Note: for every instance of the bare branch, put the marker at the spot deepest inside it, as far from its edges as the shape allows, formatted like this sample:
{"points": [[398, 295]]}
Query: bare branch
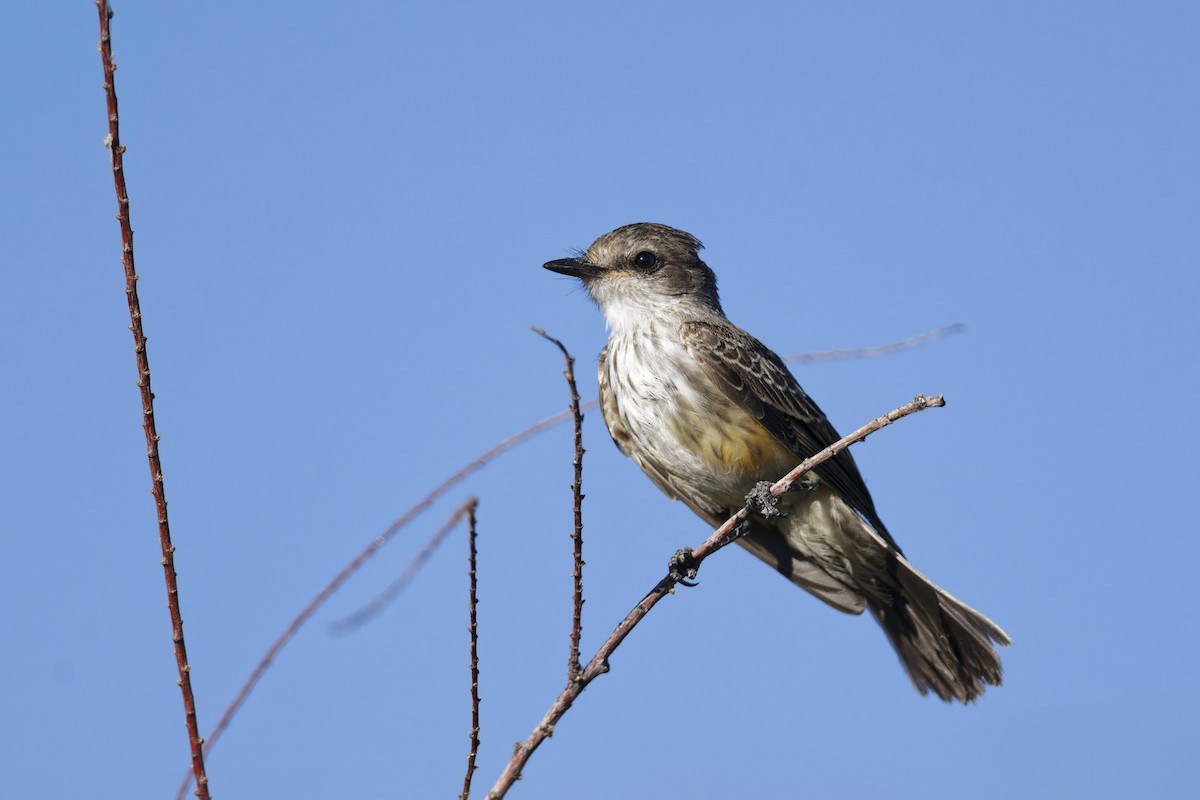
{"points": [[157, 487], [577, 502], [599, 663], [364, 614], [473, 603], [878, 350], [367, 552]]}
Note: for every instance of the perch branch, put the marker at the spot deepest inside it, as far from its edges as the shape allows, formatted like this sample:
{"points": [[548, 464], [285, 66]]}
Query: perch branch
{"points": [[599, 663]]}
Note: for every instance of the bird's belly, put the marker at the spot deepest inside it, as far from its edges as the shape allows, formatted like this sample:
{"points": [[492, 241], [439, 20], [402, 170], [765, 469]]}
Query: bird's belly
{"points": [[692, 432]]}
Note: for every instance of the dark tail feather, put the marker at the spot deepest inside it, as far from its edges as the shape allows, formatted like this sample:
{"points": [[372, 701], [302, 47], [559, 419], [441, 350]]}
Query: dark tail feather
{"points": [[946, 646]]}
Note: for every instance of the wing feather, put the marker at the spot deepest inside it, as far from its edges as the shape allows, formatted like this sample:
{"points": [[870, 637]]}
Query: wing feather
{"points": [[757, 380]]}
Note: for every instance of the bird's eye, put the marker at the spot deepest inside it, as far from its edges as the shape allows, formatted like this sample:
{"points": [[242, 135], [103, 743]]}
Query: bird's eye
{"points": [[645, 260]]}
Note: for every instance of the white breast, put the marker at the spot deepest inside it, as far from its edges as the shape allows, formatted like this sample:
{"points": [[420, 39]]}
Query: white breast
{"points": [[667, 404]]}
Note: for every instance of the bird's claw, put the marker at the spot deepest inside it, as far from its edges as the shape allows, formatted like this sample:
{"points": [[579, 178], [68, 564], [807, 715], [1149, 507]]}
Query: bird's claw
{"points": [[762, 502], [682, 567], [804, 485]]}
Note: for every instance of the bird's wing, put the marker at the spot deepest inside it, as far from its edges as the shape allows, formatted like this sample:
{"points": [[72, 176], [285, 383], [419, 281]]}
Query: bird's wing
{"points": [[758, 381], [764, 543]]}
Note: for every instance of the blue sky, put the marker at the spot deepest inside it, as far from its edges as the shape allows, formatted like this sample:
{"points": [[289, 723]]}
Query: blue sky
{"points": [[341, 213]]}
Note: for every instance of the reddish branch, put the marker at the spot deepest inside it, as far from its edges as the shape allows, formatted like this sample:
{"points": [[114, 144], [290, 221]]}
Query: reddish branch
{"points": [[473, 603], [721, 537], [117, 151], [577, 502]]}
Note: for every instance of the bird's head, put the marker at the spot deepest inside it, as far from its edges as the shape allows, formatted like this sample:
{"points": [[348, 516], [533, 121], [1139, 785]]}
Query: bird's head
{"points": [[643, 269]]}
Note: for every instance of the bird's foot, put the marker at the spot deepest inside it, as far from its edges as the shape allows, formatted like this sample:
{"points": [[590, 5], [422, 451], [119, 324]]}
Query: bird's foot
{"points": [[762, 502], [682, 567], [804, 485]]}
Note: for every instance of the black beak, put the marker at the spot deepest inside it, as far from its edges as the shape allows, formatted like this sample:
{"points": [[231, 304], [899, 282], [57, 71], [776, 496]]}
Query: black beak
{"points": [[575, 267]]}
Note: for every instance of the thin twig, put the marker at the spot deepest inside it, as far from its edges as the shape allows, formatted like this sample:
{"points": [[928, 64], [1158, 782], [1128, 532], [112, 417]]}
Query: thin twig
{"points": [[721, 537], [357, 562], [158, 489], [577, 502], [364, 614], [473, 603], [878, 350]]}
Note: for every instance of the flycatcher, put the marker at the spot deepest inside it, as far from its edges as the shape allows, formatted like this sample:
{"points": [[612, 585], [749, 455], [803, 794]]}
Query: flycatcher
{"points": [[707, 411]]}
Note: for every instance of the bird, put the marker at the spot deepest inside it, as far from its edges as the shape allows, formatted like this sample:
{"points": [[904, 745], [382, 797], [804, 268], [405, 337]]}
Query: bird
{"points": [[708, 412]]}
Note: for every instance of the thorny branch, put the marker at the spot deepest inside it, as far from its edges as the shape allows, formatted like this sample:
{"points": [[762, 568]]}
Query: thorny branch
{"points": [[473, 603], [577, 502], [117, 152]]}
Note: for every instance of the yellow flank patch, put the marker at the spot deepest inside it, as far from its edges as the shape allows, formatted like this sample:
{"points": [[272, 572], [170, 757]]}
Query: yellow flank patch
{"points": [[734, 445]]}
